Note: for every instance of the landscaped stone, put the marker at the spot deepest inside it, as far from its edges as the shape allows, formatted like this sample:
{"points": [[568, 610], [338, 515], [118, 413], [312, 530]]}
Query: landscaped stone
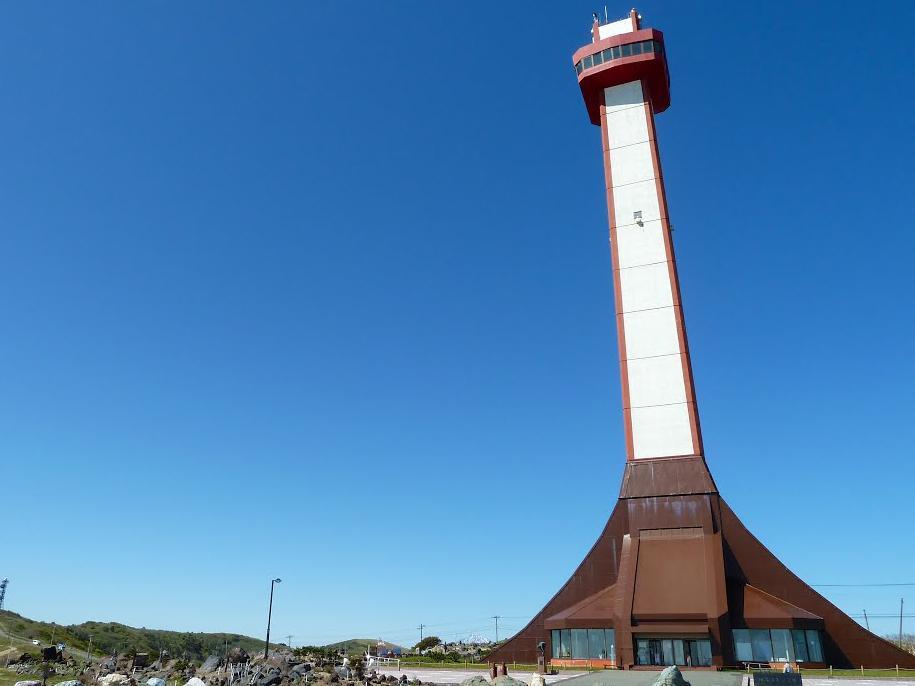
{"points": [[671, 676]]}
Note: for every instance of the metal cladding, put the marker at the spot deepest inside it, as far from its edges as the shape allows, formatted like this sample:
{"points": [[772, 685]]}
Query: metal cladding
{"points": [[674, 573]]}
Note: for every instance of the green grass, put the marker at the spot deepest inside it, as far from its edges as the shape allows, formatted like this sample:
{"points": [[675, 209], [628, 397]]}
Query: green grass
{"points": [[8, 677]]}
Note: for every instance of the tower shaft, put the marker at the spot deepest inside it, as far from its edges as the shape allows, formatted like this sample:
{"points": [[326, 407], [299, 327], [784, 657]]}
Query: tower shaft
{"points": [[659, 402]]}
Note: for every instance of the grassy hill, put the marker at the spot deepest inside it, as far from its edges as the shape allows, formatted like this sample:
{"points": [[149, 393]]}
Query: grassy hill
{"points": [[355, 646], [108, 637]]}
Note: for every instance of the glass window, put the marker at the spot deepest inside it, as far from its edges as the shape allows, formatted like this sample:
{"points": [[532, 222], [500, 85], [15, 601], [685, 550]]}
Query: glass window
{"points": [[597, 647], [615, 52], [781, 644], [762, 645], [648, 46], [705, 653], [679, 658], [636, 48], [610, 637], [658, 47], [579, 644], [654, 651], [566, 637], [743, 649], [667, 651], [578, 68], [554, 643], [606, 54], [587, 62], [627, 50], [598, 58], [642, 657], [800, 645], [814, 648]]}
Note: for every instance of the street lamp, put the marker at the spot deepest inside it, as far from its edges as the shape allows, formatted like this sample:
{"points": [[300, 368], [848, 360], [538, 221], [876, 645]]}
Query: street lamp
{"points": [[269, 615]]}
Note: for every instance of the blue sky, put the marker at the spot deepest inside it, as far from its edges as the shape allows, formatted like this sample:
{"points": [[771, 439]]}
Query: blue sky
{"points": [[322, 291]]}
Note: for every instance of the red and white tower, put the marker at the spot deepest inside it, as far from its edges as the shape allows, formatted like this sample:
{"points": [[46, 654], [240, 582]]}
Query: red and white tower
{"points": [[623, 78], [674, 577]]}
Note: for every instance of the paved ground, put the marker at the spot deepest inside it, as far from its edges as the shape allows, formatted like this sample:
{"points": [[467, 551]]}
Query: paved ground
{"points": [[630, 678], [456, 676], [608, 677]]}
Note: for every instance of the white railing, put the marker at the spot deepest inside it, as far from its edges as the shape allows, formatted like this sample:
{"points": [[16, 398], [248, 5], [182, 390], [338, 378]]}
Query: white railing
{"points": [[388, 662]]}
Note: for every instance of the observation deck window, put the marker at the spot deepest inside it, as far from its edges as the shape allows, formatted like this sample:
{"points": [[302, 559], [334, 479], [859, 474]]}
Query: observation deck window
{"points": [[617, 52]]}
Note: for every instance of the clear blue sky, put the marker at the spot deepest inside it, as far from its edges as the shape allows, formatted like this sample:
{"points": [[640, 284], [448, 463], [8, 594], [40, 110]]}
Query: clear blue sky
{"points": [[322, 291]]}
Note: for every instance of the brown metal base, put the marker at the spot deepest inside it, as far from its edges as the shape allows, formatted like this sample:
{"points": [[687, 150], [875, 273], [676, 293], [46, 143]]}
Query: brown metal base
{"points": [[674, 559]]}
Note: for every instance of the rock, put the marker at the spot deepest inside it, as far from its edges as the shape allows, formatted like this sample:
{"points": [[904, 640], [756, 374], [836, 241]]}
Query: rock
{"points": [[475, 680], [28, 683], [156, 681], [195, 681], [238, 655], [506, 680], [112, 679], [71, 682], [269, 680], [210, 664], [537, 679], [671, 676]]}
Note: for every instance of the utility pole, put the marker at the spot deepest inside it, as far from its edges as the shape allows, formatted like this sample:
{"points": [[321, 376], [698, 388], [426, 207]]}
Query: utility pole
{"points": [[273, 582], [867, 623], [289, 641], [89, 650], [497, 618], [901, 600], [3, 584], [420, 627]]}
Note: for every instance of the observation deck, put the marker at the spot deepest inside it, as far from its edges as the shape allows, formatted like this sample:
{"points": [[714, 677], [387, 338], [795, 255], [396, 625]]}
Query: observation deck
{"points": [[621, 57]]}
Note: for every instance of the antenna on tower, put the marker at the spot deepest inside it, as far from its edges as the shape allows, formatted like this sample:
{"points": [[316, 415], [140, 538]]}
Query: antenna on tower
{"points": [[3, 591], [606, 16]]}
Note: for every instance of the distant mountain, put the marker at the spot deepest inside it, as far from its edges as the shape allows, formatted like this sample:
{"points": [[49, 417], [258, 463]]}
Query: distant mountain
{"points": [[108, 637]]}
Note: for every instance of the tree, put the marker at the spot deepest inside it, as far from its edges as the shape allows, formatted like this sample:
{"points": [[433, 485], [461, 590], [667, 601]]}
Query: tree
{"points": [[426, 643], [907, 643]]}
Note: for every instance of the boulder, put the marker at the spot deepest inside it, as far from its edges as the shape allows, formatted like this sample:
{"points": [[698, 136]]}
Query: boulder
{"points": [[28, 683], [475, 680], [112, 679], [71, 682], [195, 681], [211, 663], [506, 680], [238, 655], [269, 680], [537, 679], [671, 676], [156, 681]]}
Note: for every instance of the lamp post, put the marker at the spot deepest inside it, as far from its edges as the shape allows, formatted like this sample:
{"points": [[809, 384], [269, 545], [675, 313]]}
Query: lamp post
{"points": [[269, 616]]}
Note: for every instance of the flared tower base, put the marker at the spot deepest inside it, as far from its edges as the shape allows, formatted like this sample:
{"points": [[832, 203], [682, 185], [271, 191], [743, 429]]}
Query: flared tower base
{"points": [[676, 578]]}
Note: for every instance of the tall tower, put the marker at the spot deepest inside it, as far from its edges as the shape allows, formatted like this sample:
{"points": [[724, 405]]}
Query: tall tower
{"points": [[623, 78], [674, 577]]}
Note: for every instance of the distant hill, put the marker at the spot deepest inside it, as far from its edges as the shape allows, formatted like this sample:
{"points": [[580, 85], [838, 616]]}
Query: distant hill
{"points": [[108, 637], [357, 646]]}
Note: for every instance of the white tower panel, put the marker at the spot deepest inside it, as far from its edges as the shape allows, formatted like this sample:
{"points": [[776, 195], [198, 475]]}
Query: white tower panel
{"points": [[659, 402]]}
